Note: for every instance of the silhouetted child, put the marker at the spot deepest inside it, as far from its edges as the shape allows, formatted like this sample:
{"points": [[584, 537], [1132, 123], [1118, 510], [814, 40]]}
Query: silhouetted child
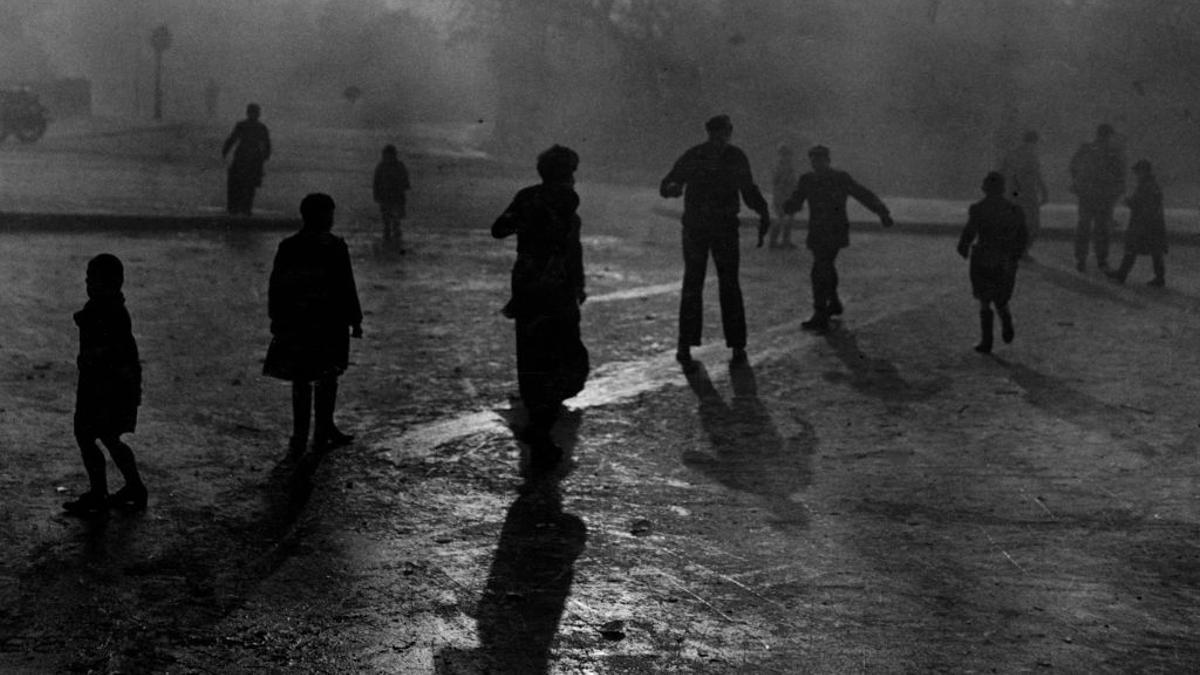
{"points": [[391, 182], [996, 227], [109, 389], [1147, 231]]}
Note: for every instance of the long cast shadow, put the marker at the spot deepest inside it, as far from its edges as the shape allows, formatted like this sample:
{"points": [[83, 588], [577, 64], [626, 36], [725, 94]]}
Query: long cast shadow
{"points": [[749, 454], [876, 377], [518, 614], [1057, 398]]}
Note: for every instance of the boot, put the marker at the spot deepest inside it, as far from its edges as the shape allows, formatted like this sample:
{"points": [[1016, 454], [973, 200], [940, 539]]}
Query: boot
{"points": [[132, 495], [88, 503], [819, 323], [985, 329], [835, 307], [1006, 325], [327, 436]]}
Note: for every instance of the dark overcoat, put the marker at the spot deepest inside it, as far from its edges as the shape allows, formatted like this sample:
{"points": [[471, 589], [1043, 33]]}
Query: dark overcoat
{"points": [[251, 144], [1147, 231], [547, 286], [312, 301], [390, 184], [110, 374], [996, 227]]}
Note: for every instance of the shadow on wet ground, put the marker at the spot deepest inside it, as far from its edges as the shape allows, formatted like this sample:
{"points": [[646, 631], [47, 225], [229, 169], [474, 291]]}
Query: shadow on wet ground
{"points": [[876, 377], [1057, 398], [518, 615], [749, 454], [1097, 288], [101, 588]]}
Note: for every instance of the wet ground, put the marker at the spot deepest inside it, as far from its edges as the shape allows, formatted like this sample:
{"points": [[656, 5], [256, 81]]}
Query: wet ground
{"points": [[881, 499]]}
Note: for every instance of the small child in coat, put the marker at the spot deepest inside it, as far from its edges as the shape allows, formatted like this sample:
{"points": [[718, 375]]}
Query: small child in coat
{"points": [[391, 182], [1147, 231], [109, 389], [994, 239]]}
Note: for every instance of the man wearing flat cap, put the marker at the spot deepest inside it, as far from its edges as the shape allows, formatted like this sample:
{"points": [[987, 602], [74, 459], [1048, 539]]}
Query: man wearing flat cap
{"points": [[713, 178], [826, 190]]}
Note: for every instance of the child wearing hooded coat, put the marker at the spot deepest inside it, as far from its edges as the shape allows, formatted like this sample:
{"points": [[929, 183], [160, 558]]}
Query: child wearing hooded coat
{"points": [[1147, 231]]}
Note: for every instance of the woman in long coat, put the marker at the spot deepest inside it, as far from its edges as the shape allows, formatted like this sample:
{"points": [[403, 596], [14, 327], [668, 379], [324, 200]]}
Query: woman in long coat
{"points": [[996, 227], [1147, 231], [313, 305], [547, 291]]}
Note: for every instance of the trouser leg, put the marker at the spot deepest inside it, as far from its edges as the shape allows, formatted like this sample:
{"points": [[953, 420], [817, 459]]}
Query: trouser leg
{"points": [[93, 462], [726, 258], [1160, 268], [122, 456], [301, 412], [785, 224], [824, 279], [1126, 265], [325, 400], [1103, 231], [691, 299], [986, 321], [1083, 231]]}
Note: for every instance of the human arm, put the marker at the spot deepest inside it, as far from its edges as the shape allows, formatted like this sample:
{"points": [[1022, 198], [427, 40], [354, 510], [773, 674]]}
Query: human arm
{"points": [[868, 199], [377, 184], [509, 222], [266, 144], [404, 184], [347, 291], [968, 234], [231, 141], [1021, 242], [672, 184]]}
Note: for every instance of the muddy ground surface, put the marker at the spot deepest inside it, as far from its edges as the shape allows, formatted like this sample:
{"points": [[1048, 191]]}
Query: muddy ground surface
{"points": [[881, 499]]}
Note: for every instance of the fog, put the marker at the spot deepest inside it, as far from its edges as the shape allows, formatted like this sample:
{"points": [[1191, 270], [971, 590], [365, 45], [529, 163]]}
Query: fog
{"points": [[918, 96]]}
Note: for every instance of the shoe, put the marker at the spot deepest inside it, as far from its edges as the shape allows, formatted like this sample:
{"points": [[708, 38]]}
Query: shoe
{"points": [[87, 503], [739, 357], [133, 496], [1116, 277], [1157, 283], [835, 308], [1080, 266], [332, 439], [819, 323]]}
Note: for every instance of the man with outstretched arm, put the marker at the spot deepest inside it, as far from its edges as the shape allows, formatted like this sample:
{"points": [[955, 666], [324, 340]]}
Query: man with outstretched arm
{"points": [[826, 190]]}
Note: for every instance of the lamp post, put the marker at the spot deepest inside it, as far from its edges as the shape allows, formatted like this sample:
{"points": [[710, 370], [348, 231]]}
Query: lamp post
{"points": [[160, 40]]}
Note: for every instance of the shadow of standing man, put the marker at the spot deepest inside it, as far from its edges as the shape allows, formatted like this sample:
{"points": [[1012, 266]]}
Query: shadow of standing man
{"points": [[749, 453]]}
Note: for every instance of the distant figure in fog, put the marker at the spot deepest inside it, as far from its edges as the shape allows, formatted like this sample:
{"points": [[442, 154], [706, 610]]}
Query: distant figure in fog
{"points": [[717, 177], [996, 227], [391, 182], [1022, 171], [313, 304], [251, 145], [783, 179], [1098, 180], [1147, 231], [109, 390], [826, 190], [547, 292]]}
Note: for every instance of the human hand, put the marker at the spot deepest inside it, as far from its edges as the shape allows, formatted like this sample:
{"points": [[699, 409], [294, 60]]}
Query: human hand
{"points": [[356, 331], [964, 250], [886, 220], [581, 296]]}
